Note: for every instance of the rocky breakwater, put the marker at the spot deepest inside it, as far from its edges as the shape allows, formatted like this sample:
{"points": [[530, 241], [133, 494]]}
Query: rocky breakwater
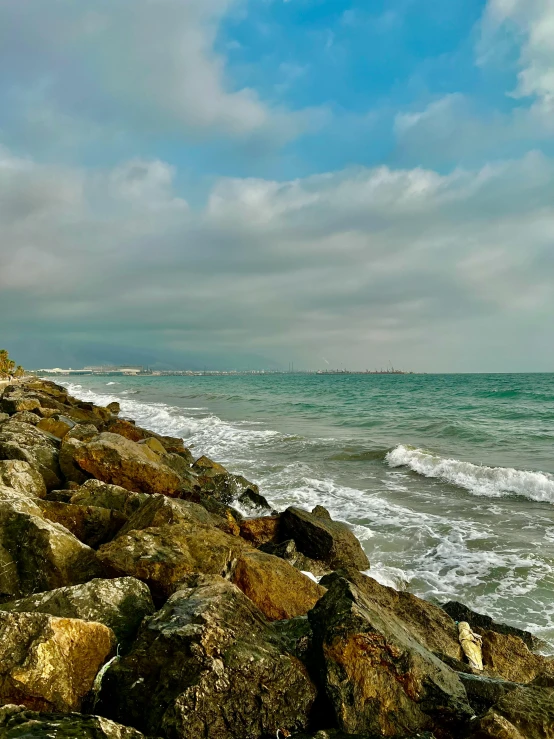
{"points": [[137, 601]]}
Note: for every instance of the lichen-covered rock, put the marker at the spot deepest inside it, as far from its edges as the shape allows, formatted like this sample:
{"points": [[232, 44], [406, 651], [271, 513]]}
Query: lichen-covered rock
{"points": [[153, 444], [279, 590], [225, 487], [213, 506], [103, 495], [118, 461], [120, 604], [159, 510], [36, 554], [377, 677], [16, 401], [57, 425], [321, 538], [208, 665], [68, 465], [263, 530], [428, 623], [47, 387], [163, 555], [26, 417], [22, 477], [90, 524], [524, 713], [25, 442], [206, 466], [49, 663], [18, 722]]}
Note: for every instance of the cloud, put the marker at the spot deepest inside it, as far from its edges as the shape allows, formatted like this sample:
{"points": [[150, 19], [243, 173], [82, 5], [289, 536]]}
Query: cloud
{"points": [[360, 266], [132, 64]]}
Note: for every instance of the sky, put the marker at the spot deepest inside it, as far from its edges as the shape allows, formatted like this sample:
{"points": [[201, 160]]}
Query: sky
{"points": [[250, 183]]}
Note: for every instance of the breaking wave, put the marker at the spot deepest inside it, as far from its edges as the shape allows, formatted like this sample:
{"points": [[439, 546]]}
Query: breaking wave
{"points": [[494, 482]]}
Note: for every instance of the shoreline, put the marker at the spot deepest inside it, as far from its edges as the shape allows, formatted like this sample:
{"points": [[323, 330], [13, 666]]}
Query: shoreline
{"points": [[135, 506]]}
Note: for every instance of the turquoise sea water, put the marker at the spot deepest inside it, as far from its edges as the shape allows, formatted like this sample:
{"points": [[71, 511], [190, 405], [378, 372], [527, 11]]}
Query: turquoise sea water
{"points": [[448, 480]]}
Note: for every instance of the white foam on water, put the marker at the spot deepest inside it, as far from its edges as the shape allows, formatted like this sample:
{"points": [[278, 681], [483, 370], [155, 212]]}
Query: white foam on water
{"points": [[494, 482]]}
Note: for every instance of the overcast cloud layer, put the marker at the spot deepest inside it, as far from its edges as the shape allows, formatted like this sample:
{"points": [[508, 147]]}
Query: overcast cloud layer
{"points": [[158, 203]]}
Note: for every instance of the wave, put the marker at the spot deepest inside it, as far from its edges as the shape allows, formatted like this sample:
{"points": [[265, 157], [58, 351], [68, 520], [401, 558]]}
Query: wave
{"points": [[494, 482]]}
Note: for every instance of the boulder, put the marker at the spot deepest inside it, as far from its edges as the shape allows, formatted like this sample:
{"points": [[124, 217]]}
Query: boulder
{"points": [[26, 417], [287, 550], [460, 612], [129, 430], [18, 722], [17, 401], [68, 465], [36, 554], [120, 604], [226, 488], [254, 501], [49, 663], [212, 505], [207, 467], [159, 510], [208, 665], [321, 538], [118, 461], [524, 713], [426, 622], [114, 408], [22, 477], [483, 692], [47, 387], [101, 494], [258, 531], [377, 677], [279, 590], [163, 555], [26, 443], [154, 445], [508, 657], [57, 425], [90, 524]]}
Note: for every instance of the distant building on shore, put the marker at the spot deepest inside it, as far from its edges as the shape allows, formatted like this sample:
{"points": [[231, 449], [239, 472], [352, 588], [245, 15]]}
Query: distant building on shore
{"points": [[100, 370]]}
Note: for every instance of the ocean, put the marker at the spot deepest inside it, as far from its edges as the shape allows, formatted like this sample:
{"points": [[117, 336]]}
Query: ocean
{"points": [[447, 480]]}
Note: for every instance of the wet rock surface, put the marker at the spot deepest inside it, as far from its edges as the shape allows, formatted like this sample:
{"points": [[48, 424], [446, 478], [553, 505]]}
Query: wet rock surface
{"points": [[208, 665], [320, 538]]}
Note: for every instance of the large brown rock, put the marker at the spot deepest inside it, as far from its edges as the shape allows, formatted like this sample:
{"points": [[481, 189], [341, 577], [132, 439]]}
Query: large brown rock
{"points": [[102, 495], [159, 510], [263, 530], [16, 401], [18, 722], [135, 433], [49, 663], [319, 537], [36, 554], [46, 387], [426, 622], [68, 465], [508, 657], [377, 677], [57, 425], [22, 477], [120, 604], [26, 443], [524, 713], [208, 665], [118, 461], [279, 590], [163, 555], [90, 524], [287, 550]]}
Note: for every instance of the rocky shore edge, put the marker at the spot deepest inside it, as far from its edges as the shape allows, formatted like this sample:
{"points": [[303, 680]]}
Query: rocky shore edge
{"points": [[136, 600]]}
